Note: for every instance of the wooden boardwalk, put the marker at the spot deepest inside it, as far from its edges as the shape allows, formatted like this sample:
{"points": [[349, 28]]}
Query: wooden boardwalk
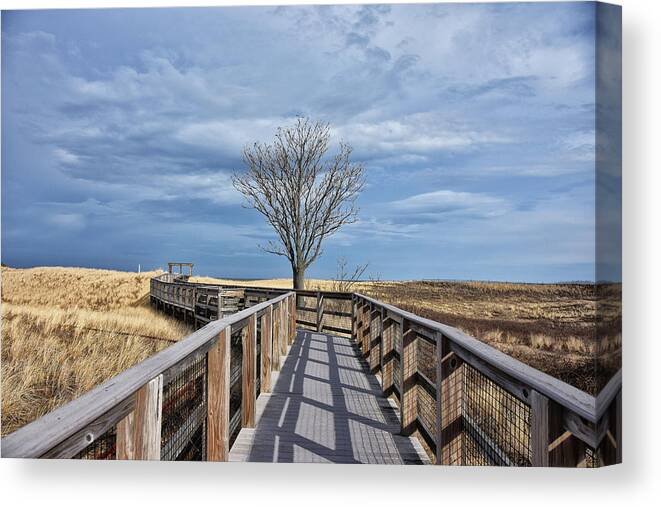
{"points": [[326, 407]]}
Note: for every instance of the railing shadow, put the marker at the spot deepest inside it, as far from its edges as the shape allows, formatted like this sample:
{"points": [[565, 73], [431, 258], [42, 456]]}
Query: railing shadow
{"points": [[327, 407]]}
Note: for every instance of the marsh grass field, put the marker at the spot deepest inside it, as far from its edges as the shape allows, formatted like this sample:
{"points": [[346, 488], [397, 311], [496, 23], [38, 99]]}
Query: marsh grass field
{"points": [[66, 330]]}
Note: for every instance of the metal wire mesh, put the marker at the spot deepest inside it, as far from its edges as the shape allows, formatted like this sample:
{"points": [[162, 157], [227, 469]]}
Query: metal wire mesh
{"points": [[306, 312], [396, 374], [388, 330], [426, 407], [496, 424], [102, 448], [337, 316], [451, 414], [591, 458], [183, 429], [236, 391], [426, 357]]}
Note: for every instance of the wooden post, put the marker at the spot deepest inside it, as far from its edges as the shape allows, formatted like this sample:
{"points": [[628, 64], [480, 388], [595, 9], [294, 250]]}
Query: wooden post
{"points": [[451, 387], [284, 320], [320, 312], [359, 323], [139, 433], [367, 326], [409, 404], [218, 408], [564, 449], [375, 340], [219, 304], [353, 317], [124, 438], [275, 327], [266, 349], [381, 321], [438, 437], [539, 429], [292, 303], [194, 308], [388, 378], [248, 373]]}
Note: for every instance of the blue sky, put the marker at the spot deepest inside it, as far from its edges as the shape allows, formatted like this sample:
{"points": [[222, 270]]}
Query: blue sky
{"points": [[475, 123]]}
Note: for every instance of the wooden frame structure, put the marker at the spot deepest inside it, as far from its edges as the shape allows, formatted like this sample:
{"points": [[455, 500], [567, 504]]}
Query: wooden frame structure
{"points": [[467, 402]]}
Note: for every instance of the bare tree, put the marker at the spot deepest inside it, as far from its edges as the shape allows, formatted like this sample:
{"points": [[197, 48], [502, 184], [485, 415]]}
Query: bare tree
{"points": [[305, 194]]}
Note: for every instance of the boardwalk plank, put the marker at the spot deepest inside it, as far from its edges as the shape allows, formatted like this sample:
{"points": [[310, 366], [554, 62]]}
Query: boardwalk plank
{"points": [[326, 407]]}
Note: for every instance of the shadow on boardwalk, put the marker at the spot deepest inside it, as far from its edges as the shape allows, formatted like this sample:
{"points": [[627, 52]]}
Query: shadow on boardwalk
{"points": [[327, 408]]}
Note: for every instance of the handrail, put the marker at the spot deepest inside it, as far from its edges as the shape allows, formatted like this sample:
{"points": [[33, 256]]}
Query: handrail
{"points": [[501, 405], [38, 437], [578, 401]]}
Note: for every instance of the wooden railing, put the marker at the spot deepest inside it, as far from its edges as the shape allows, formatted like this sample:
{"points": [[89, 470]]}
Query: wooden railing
{"points": [[186, 402], [201, 303], [473, 405], [467, 402]]}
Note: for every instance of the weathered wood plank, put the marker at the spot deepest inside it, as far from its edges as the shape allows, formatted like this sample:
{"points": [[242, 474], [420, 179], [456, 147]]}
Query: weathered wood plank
{"points": [[438, 429], [314, 421], [320, 311], [146, 434], [218, 409], [387, 376], [248, 372], [408, 364], [275, 331], [266, 351], [89, 434], [124, 438], [539, 429]]}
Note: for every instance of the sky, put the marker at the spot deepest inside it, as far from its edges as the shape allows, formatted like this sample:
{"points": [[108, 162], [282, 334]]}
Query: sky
{"points": [[475, 123]]}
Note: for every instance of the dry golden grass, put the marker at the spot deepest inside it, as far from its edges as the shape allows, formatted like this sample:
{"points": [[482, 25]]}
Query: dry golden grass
{"points": [[66, 330], [551, 327]]}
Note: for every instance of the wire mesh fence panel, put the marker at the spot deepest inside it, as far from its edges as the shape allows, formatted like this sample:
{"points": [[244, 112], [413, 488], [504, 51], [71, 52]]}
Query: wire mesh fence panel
{"points": [[337, 315], [388, 331], [426, 407], [236, 381], [396, 374], [185, 414], [591, 458], [306, 312], [196, 448], [397, 340], [426, 357], [496, 424], [103, 447], [451, 415]]}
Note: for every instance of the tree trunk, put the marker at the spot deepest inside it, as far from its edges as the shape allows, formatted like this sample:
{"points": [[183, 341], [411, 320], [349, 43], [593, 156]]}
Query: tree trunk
{"points": [[298, 277]]}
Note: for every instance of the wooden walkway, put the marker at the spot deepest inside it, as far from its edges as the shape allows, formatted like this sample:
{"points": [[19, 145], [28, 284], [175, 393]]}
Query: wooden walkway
{"points": [[326, 407]]}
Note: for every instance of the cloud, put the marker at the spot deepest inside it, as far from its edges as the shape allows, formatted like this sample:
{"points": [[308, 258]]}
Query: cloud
{"points": [[469, 119], [441, 204], [68, 221], [65, 156], [413, 135]]}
